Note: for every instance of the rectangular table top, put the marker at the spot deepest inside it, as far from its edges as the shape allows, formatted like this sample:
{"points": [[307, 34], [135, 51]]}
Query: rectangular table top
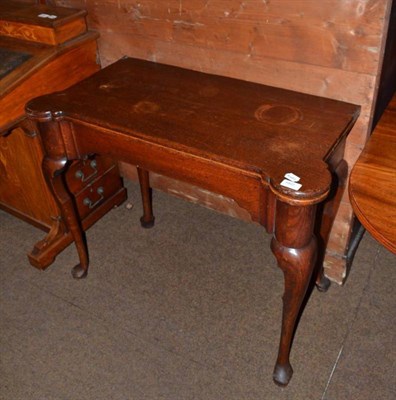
{"points": [[258, 128]]}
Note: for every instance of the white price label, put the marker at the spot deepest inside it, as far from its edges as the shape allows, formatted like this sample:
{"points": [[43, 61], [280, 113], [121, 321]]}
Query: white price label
{"points": [[50, 16], [292, 177], [291, 185]]}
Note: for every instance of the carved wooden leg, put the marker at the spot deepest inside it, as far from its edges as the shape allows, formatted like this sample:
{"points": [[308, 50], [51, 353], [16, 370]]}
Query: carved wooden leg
{"points": [[147, 220], [294, 247], [53, 170]]}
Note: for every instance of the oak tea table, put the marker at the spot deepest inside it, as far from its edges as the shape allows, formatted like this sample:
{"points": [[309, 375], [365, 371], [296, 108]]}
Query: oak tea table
{"points": [[271, 150]]}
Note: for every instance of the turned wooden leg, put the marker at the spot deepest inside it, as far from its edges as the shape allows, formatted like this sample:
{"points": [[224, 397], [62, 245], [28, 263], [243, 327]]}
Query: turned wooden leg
{"points": [[53, 171], [147, 220], [294, 247]]}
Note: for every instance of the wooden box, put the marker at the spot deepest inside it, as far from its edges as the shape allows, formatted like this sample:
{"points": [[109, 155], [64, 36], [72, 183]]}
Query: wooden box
{"points": [[41, 24]]}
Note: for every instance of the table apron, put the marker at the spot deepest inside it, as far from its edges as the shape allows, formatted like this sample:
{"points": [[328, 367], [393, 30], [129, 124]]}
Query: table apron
{"points": [[247, 188]]}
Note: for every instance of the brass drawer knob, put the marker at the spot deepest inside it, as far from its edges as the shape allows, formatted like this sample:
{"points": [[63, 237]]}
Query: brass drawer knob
{"points": [[91, 204], [80, 174]]}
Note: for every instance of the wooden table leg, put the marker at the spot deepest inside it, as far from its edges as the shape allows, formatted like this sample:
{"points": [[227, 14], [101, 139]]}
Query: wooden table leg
{"points": [[55, 163], [53, 171], [294, 246], [147, 220]]}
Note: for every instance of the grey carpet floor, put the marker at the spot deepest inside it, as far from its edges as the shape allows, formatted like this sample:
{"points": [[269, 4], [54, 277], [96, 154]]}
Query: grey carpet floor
{"points": [[190, 309]]}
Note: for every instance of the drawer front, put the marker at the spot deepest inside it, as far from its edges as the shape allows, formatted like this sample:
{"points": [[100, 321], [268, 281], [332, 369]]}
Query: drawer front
{"points": [[97, 192], [82, 173]]}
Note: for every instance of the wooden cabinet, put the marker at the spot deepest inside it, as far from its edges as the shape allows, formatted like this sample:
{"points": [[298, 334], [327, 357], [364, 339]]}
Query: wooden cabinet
{"points": [[42, 50]]}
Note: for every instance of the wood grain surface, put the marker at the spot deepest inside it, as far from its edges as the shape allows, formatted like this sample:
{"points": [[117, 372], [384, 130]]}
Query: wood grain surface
{"points": [[48, 65], [183, 109], [372, 186]]}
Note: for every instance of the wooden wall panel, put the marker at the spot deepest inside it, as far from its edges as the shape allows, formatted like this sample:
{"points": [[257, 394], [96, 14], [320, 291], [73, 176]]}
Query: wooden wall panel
{"points": [[333, 33], [330, 48]]}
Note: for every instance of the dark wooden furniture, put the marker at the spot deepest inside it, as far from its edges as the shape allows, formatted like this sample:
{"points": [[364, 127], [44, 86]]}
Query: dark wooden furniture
{"points": [[372, 185], [234, 138], [334, 49], [41, 55]]}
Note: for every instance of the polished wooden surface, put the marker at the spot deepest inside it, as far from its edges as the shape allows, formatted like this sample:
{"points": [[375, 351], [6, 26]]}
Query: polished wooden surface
{"points": [[43, 68], [235, 138], [195, 112], [372, 186]]}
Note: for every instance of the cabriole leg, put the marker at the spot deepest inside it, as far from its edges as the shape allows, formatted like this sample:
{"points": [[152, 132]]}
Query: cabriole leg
{"points": [[53, 170], [295, 248], [147, 220]]}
